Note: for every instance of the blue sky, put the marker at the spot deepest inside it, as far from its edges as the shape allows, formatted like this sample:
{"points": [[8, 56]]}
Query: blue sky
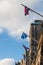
{"points": [[11, 47], [12, 23]]}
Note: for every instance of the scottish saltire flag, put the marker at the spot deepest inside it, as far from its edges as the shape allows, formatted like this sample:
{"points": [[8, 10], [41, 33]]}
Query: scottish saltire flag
{"points": [[24, 35], [25, 47]]}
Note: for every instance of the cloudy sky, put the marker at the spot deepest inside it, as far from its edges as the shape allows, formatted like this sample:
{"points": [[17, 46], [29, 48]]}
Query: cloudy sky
{"points": [[12, 23]]}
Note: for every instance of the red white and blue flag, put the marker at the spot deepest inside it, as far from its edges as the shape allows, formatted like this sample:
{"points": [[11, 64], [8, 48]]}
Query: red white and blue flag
{"points": [[26, 11]]}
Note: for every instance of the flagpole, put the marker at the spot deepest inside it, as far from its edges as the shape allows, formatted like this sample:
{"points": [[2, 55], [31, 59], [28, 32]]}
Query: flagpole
{"points": [[33, 11], [36, 13], [33, 39]]}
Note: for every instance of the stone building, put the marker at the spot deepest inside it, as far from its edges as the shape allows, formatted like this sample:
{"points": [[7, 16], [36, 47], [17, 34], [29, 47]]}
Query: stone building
{"points": [[34, 56], [22, 62], [39, 57], [36, 31]]}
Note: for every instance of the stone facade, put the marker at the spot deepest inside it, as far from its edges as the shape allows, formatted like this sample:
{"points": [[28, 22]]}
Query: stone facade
{"points": [[35, 55], [39, 58], [36, 32], [22, 62]]}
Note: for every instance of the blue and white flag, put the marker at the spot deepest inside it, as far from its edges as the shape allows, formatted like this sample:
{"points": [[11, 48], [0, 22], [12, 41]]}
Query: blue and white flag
{"points": [[24, 35], [25, 47]]}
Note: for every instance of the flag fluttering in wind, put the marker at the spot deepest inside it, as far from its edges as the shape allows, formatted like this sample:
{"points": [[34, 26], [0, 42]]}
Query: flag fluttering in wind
{"points": [[25, 47], [26, 10], [24, 35]]}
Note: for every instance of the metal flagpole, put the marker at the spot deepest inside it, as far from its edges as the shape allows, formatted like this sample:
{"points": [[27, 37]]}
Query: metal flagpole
{"points": [[33, 11], [36, 13], [33, 39]]}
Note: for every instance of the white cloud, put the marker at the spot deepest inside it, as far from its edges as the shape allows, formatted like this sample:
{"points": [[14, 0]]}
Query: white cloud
{"points": [[12, 16], [1, 30], [7, 61]]}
